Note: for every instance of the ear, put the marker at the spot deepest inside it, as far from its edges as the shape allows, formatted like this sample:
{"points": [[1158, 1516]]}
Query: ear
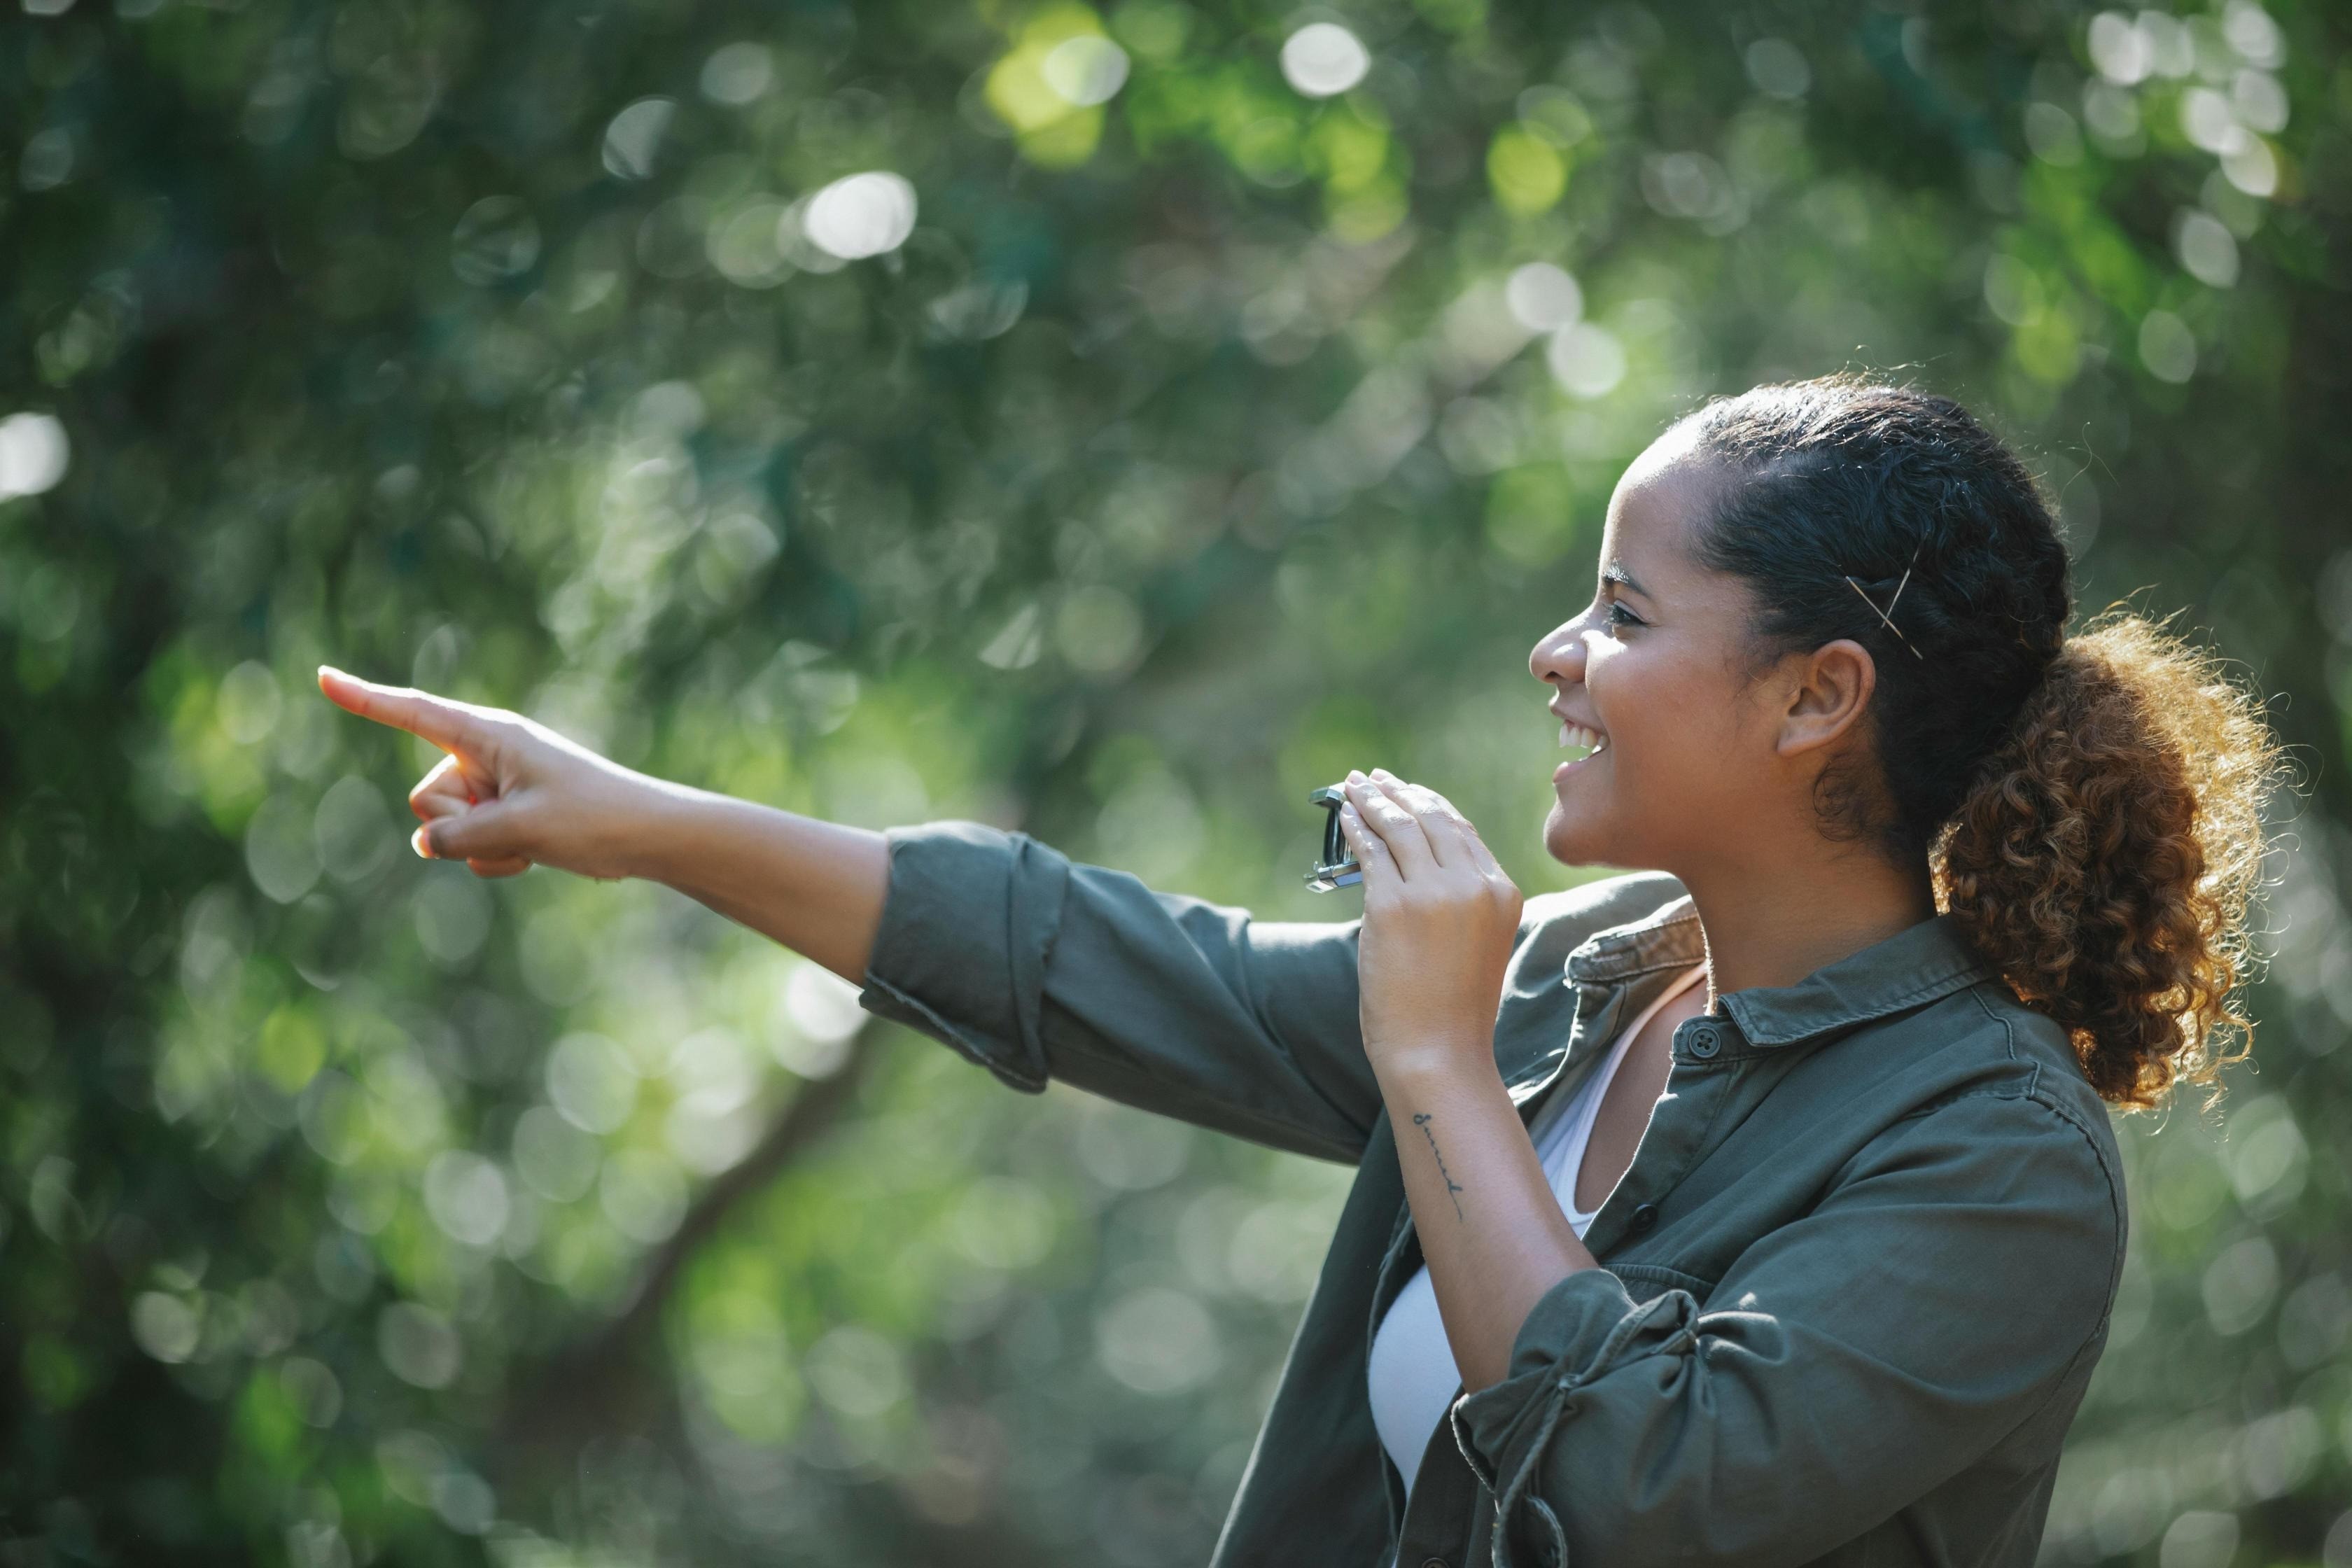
{"points": [[1831, 693]]}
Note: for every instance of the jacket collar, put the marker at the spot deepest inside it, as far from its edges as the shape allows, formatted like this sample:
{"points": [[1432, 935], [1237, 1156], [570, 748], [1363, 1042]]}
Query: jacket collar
{"points": [[1614, 973], [1669, 935], [1915, 966]]}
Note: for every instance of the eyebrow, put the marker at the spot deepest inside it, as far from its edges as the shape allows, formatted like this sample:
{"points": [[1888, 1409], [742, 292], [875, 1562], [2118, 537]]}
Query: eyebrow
{"points": [[1612, 572]]}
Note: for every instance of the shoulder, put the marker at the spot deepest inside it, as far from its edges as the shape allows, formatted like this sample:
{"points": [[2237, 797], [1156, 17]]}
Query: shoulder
{"points": [[2030, 1060], [1975, 1040], [2000, 1094], [1975, 1083]]}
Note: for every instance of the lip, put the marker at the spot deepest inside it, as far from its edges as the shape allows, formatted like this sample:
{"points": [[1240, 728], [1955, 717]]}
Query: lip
{"points": [[1565, 716], [1573, 763]]}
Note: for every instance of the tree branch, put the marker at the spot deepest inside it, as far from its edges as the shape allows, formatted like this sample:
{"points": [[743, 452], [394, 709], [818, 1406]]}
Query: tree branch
{"points": [[600, 1379]]}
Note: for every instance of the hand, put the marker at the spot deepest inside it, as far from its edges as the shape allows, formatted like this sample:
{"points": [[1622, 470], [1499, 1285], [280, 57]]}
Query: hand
{"points": [[1441, 918], [511, 793]]}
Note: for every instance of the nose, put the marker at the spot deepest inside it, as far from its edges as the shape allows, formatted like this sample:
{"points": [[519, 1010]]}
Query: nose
{"points": [[1559, 654]]}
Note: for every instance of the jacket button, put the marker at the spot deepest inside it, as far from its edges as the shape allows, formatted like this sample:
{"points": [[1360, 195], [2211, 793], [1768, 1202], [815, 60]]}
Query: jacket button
{"points": [[1436, 1563], [1704, 1040], [1645, 1216]]}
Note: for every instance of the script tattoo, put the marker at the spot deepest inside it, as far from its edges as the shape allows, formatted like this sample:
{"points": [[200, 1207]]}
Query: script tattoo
{"points": [[1453, 1187]]}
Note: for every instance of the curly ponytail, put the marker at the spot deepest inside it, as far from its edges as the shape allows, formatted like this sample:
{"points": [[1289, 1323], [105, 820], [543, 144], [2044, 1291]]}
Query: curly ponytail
{"points": [[2088, 807], [2105, 859]]}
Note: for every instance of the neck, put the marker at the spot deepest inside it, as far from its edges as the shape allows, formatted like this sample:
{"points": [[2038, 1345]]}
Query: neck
{"points": [[1773, 925]]}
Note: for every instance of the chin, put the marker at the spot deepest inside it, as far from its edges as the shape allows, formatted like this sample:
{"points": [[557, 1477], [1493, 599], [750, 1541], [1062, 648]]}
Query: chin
{"points": [[1580, 835], [1574, 838]]}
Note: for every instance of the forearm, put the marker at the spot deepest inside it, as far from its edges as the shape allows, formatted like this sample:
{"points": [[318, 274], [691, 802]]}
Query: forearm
{"points": [[1490, 1227], [816, 887]]}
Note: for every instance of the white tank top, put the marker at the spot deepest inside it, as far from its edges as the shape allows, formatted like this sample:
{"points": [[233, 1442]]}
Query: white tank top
{"points": [[1411, 1374]]}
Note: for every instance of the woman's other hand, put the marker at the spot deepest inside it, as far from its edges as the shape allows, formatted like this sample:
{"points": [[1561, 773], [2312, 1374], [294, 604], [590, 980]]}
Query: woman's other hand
{"points": [[511, 793], [1441, 918]]}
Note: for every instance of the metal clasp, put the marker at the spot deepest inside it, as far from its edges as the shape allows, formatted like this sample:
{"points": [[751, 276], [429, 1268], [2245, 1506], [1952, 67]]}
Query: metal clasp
{"points": [[1338, 867]]}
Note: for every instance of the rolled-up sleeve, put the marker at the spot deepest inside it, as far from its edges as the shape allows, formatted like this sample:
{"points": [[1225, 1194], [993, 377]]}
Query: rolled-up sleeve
{"points": [[1039, 968], [1953, 1282]]}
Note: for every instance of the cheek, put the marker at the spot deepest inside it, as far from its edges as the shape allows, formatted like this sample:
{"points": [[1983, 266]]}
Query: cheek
{"points": [[1669, 724]]}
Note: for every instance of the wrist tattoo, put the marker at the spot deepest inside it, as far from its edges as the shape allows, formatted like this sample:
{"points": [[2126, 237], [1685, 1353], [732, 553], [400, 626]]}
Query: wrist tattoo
{"points": [[1453, 1189]]}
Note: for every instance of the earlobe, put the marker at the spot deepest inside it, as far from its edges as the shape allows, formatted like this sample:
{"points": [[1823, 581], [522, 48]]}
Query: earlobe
{"points": [[1833, 692]]}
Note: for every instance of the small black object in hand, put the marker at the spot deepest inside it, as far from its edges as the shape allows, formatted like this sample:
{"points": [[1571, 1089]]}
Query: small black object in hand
{"points": [[1338, 867]]}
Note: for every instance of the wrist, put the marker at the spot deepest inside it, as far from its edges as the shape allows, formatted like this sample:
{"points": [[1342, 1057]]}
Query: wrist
{"points": [[669, 834], [1450, 1055]]}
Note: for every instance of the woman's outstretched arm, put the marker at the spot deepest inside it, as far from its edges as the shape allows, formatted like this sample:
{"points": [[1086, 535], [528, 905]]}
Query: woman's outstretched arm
{"points": [[512, 793], [989, 940]]}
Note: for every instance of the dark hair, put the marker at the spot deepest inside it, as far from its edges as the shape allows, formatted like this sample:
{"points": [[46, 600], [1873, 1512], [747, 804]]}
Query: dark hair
{"points": [[2090, 805]]}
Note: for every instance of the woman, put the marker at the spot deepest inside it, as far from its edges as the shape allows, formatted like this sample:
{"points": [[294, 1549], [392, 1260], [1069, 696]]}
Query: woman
{"points": [[1845, 1156]]}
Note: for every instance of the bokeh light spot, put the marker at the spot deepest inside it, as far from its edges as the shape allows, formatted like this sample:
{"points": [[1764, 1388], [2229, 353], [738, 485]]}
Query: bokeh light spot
{"points": [[34, 454], [1323, 58], [635, 137], [2166, 347], [737, 74], [863, 214], [1085, 70], [1587, 360], [418, 1346], [495, 239], [1778, 68], [1543, 296]]}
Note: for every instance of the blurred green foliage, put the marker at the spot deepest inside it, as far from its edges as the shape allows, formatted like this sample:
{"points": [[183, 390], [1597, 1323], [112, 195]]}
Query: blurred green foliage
{"points": [[1190, 402]]}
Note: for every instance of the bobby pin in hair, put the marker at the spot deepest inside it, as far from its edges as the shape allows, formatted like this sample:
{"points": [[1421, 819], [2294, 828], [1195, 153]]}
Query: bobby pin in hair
{"points": [[1887, 614]]}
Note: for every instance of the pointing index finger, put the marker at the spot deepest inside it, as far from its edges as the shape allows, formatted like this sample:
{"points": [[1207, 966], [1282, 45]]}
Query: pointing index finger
{"points": [[452, 726]]}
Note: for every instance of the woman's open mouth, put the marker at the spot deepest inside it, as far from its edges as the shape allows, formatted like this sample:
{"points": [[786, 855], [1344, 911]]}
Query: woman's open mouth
{"points": [[1584, 745]]}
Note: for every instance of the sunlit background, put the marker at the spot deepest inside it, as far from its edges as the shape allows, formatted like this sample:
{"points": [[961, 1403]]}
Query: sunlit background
{"points": [[1109, 423]]}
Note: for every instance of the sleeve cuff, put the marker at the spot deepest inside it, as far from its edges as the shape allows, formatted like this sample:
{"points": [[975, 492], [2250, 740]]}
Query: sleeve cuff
{"points": [[1582, 1328], [969, 918]]}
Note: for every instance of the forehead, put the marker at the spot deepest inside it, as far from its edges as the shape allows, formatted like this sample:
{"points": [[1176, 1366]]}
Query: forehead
{"points": [[1658, 499]]}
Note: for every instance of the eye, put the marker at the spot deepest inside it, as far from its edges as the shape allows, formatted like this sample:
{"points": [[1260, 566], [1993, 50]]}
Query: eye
{"points": [[1619, 615]]}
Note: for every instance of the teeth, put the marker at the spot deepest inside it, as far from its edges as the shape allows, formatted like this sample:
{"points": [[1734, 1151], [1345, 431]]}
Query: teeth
{"points": [[1590, 741]]}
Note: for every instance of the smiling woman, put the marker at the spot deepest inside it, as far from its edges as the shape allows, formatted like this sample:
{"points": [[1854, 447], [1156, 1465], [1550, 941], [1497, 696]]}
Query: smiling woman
{"points": [[1759, 1206]]}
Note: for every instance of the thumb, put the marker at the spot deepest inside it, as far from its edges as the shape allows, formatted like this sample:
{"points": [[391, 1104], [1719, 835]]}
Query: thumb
{"points": [[491, 831]]}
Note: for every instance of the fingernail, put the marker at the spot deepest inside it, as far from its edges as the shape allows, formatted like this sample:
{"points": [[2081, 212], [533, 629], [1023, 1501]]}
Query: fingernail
{"points": [[1355, 775]]}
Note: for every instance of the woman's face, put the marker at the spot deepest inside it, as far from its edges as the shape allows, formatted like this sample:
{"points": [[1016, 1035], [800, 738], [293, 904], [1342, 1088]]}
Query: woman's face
{"points": [[1656, 669]]}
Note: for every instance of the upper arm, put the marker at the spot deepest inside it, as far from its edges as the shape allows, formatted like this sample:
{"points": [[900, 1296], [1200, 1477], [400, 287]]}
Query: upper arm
{"points": [[1200, 1011], [1039, 967]]}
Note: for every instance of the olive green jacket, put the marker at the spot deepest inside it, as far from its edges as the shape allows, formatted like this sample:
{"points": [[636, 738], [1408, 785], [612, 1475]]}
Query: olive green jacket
{"points": [[1852, 1286]]}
